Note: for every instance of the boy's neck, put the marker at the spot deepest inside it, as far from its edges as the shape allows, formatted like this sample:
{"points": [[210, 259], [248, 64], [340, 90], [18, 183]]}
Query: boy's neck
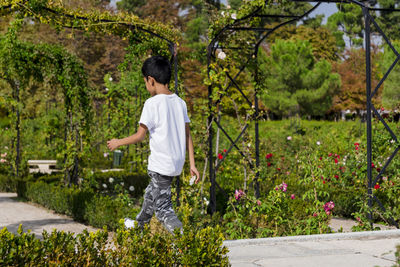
{"points": [[162, 89]]}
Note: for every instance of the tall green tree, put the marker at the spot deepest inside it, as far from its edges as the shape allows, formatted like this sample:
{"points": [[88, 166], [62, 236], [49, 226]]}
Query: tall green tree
{"points": [[349, 21], [294, 82], [391, 90], [389, 21]]}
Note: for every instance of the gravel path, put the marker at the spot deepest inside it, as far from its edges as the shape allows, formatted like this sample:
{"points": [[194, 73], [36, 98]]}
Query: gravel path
{"points": [[13, 213]]}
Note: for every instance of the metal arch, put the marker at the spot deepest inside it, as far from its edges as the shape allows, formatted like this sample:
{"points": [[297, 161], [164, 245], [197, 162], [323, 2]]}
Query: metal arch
{"points": [[368, 20]]}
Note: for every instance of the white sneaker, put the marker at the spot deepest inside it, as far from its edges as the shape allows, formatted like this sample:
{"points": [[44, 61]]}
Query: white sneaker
{"points": [[129, 223]]}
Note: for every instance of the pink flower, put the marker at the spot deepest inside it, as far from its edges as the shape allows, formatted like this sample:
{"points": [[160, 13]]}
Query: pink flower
{"points": [[2, 160], [328, 207], [292, 196], [238, 194], [105, 154], [282, 186], [258, 202], [315, 214], [330, 155]]}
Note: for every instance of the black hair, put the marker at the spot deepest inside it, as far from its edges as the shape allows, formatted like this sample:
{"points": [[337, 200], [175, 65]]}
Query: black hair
{"points": [[157, 67]]}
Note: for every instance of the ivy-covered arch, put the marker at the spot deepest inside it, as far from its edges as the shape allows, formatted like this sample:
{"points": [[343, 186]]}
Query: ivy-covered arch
{"points": [[20, 62], [159, 38]]}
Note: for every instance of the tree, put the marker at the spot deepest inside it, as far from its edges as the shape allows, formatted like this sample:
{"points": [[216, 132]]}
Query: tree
{"points": [[321, 39], [389, 21], [391, 92], [294, 82], [348, 20], [352, 72]]}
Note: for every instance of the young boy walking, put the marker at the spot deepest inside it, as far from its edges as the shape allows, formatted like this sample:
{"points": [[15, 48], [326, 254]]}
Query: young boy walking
{"points": [[165, 117]]}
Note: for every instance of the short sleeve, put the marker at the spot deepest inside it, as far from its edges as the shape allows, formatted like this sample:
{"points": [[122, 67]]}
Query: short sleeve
{"points": [[147, 117], [186, 117]]}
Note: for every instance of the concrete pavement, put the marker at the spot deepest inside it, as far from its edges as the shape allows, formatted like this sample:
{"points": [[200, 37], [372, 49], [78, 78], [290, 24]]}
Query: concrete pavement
{"points": [[360, 249]]}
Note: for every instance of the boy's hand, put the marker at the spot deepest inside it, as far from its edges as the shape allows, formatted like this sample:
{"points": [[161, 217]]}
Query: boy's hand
{"points": [[113, 144], [194, 171]]}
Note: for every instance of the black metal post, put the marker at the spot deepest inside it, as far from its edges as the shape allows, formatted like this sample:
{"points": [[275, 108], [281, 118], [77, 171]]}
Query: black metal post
{"points": [[369, 114], [213, 198], [257, 141]]}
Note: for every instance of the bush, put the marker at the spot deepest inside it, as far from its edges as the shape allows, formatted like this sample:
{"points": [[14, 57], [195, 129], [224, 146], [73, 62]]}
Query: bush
{"points": [[129, 248], [7, 183], [83, 205], [113, 183]]}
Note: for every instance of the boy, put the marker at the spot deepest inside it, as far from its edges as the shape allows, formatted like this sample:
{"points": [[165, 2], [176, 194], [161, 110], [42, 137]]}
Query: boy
{"points": [[165, 116]]}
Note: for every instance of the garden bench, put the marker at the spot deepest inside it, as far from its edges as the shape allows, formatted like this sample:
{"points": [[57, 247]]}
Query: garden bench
{"points": [[42, 166]]}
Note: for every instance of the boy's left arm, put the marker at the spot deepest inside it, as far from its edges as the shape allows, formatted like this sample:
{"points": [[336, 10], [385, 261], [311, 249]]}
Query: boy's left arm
{"points": [[189, 145]]}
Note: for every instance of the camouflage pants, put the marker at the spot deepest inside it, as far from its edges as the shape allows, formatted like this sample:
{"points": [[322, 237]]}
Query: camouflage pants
{"points": [[157, 198]]}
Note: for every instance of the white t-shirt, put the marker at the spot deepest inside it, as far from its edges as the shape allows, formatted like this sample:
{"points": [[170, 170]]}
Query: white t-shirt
{"points": [[165, 117]]}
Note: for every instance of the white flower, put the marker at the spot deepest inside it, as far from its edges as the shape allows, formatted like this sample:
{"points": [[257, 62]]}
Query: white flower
{"points": [[105, 154], [206, 201], [384, 178], [122, 183], [91, 172], [131, 188], [221, 55], [104, 185], [289, 138], [111, 180], [2, 160], [106, 89], [233, 16], [392, 141], [228, 6], [110, 79], [223, 13], [191, 182], [318, 143], [6, 147]]}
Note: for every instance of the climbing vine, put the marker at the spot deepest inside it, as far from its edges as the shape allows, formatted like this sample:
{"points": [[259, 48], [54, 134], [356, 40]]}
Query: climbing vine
{"points": [[20, 62]]}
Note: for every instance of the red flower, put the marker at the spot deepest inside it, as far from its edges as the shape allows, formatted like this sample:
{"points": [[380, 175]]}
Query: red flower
{"points": [[336, 161], [356, 144], [377, 186], [220, 156], [382, 109], [268, 156], [336, 176], [372, 165], [330, 155], [278, 169], [320, 158], [225, 150], [323, 182], [378, 169], [269, 164]]}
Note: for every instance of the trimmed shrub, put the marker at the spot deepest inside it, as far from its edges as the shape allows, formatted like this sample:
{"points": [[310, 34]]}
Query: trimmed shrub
{"points": [[83, 205], [7, 183], [129, 248]]}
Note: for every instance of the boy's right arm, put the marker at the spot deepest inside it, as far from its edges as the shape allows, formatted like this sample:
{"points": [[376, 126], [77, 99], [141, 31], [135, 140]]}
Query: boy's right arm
{"points": [[133, 139]]}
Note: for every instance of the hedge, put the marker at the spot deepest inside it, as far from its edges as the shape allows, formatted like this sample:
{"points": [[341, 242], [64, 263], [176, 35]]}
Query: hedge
{"points": [[82, 204], [128, 248]]}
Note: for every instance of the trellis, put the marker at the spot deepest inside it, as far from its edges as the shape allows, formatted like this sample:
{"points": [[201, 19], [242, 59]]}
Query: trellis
{"points": [[253, 21], [123, 25]]}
